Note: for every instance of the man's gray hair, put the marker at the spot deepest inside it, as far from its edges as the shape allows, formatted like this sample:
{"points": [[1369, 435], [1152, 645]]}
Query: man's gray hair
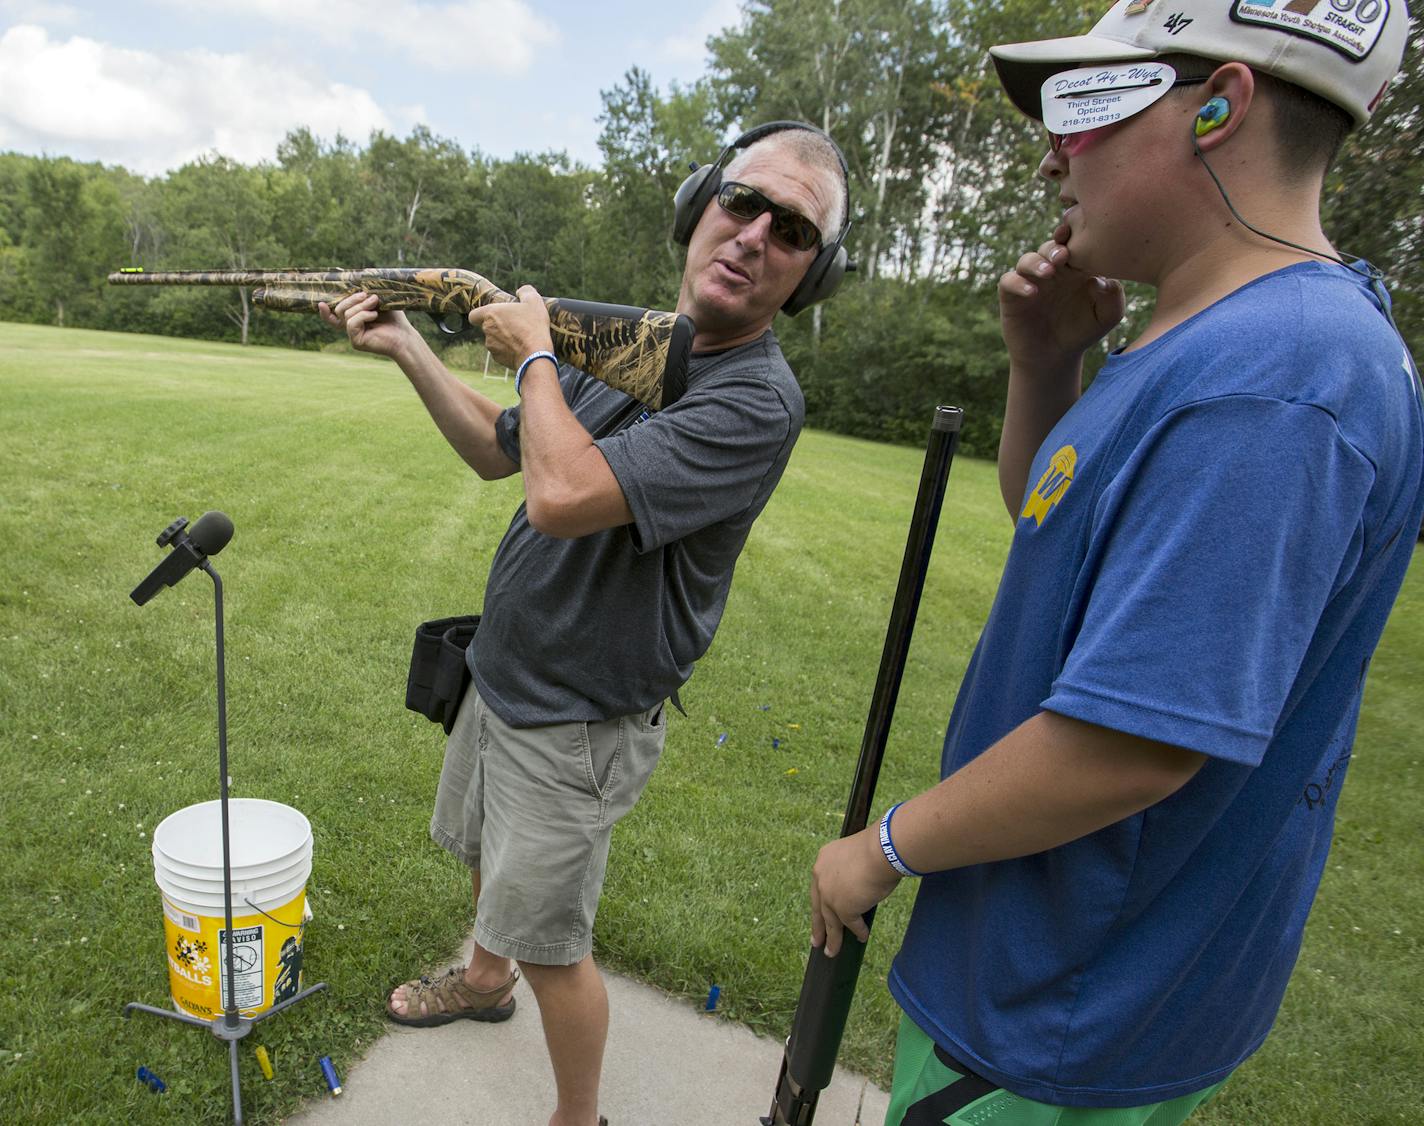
{"points": [[818, 153]]}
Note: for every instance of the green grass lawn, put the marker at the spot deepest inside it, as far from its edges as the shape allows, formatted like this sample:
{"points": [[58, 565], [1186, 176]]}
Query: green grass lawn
{"points": [[355, 522]]}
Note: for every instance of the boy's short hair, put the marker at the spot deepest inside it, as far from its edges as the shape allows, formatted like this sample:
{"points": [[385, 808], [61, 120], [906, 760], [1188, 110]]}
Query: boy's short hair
{"points": [[1309, 129]]}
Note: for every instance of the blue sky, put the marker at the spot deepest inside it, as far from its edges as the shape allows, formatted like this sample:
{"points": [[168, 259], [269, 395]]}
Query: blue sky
{"points": [[154, 83]]}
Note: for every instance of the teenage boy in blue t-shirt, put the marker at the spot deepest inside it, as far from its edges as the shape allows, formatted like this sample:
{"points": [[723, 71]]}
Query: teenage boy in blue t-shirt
{"points": [[1141, 770]]}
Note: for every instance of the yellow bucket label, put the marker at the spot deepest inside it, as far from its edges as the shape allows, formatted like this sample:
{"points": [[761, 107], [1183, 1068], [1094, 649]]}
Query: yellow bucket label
{"points": [[266, 955]]}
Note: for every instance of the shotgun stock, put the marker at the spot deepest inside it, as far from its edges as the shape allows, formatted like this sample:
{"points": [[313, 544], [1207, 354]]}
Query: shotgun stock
{"points": [[640, 352]]}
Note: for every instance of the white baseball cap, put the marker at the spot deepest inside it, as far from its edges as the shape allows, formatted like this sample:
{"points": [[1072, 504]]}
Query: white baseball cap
{"points": [[1347, 51]]}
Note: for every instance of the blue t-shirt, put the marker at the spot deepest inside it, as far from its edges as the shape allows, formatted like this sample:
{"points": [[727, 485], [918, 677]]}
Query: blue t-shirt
{"points": [[1210, 545]]}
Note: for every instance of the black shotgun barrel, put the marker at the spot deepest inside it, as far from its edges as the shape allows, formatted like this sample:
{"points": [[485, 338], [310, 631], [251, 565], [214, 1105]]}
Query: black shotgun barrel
{"points": [[829, 985]]}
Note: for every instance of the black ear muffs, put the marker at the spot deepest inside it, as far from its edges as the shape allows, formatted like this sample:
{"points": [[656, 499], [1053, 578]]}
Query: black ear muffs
{"points": [[823, 278], [693, 195]]}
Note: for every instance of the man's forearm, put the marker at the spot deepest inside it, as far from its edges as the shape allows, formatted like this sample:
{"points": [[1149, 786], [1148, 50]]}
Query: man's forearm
{"points": [[569, 488], [1049, 781], [1034, 404], [464, 416]]}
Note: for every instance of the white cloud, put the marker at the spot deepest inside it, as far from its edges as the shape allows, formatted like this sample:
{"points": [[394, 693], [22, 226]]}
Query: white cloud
{"points": [[39, 12], [152, 112], [688, 49], [502, 37]]}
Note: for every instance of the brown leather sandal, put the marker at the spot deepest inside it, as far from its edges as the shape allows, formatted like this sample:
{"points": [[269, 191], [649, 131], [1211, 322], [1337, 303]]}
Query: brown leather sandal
{"points": [[447, 998]]}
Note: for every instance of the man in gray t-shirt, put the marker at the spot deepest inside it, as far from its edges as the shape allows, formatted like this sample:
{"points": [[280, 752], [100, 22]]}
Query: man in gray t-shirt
{"points": [[610, 623], [612, 577]]}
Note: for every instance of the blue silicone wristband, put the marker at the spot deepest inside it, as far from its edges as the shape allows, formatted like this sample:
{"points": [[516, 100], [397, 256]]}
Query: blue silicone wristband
{"points": [[887, 846], [529, 359]]}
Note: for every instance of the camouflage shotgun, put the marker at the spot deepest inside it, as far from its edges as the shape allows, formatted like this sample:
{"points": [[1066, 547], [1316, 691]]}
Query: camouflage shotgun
{"points": [[640, 352]]}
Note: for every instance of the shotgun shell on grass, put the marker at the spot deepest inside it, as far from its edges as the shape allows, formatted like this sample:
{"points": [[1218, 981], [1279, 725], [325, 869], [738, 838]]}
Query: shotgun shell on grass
{"points": [[329, 1070], [155, 1084]]}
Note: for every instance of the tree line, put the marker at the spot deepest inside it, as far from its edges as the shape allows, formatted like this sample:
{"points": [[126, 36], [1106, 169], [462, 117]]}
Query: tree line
{"points": [[942, 191]]}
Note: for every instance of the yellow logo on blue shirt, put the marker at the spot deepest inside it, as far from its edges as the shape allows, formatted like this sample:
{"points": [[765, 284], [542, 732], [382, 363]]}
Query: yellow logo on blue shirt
{"points": [[1052, 485]]}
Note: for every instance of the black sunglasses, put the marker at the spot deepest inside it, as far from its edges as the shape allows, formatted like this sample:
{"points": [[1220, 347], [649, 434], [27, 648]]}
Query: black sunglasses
{"points": [[1055, 140], [787, 226]]}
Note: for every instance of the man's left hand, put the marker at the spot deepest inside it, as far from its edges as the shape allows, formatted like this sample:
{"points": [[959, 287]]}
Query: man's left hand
{"points": [[514, 330], [850, 876]]}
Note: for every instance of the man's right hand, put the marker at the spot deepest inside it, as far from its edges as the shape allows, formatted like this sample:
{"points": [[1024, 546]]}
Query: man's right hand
{"points": [[369, 329], [1050, 312]]}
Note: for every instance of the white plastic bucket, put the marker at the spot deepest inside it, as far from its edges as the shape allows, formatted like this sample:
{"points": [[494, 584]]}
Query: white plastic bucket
{"points": [[270, 851]]}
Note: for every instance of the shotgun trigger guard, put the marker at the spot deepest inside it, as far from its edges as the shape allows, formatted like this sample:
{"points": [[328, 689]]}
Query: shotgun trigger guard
{"points": [[450, 324]]}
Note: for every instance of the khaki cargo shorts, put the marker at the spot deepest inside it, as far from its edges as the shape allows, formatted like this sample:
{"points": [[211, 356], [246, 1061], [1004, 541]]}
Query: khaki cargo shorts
{"points": [[532, 810]]}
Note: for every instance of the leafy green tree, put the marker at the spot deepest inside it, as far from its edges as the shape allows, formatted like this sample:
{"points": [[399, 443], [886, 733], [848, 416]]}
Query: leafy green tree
{"points": [[1373, 205], [71, 236], [648, 142], [529, 202], [899, 349], [320, 211], [459, 237], [14, 173], [17, 296], [412, 188], [219, 215], [863, 70], [139, 201], [54, 231]]}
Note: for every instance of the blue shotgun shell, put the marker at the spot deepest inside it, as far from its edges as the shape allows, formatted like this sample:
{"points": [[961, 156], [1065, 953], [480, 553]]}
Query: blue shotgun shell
{"points": [[329, 1070], [155, 1084]]}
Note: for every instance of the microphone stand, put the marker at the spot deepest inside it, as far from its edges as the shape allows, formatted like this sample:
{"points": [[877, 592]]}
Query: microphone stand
{"points": [[231, 1025], [829, 985]]}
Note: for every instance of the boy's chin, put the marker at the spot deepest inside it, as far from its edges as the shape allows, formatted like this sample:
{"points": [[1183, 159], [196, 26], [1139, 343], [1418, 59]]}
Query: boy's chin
{"points": [[1087, 259]]}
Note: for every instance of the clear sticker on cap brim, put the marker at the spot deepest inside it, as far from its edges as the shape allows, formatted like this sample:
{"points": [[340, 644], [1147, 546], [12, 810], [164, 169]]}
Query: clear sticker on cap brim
{"points": [[1093, 96]]}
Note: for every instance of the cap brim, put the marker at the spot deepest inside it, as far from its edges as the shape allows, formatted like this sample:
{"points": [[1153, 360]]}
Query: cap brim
{"points": [[1024, 67]]}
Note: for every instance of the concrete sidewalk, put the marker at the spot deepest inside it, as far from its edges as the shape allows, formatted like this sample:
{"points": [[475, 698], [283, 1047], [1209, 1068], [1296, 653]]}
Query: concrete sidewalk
{"points": [[668, 1062]]}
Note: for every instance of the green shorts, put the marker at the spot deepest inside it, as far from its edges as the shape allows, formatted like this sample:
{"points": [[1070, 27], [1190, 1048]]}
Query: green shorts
{"points": [[932, 1089]]}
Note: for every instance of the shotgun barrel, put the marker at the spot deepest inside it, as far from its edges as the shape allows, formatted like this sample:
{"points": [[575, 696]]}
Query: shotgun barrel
{"points": [[641, 352], [829, 983]]}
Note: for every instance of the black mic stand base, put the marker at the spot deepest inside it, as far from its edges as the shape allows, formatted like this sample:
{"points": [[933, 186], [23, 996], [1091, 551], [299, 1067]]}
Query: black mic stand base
{"points": [[225, 1027]]}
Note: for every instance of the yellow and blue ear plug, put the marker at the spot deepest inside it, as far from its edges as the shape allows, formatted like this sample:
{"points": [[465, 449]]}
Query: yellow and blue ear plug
{"points": [[1213, 113]]}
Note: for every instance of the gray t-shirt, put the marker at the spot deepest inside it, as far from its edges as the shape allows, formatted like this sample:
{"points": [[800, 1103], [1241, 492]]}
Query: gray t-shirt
{"points": [[610, 624]]}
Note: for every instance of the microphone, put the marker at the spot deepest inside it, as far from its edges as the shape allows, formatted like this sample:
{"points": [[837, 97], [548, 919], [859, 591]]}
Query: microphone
{"points": [[208, 536]]}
